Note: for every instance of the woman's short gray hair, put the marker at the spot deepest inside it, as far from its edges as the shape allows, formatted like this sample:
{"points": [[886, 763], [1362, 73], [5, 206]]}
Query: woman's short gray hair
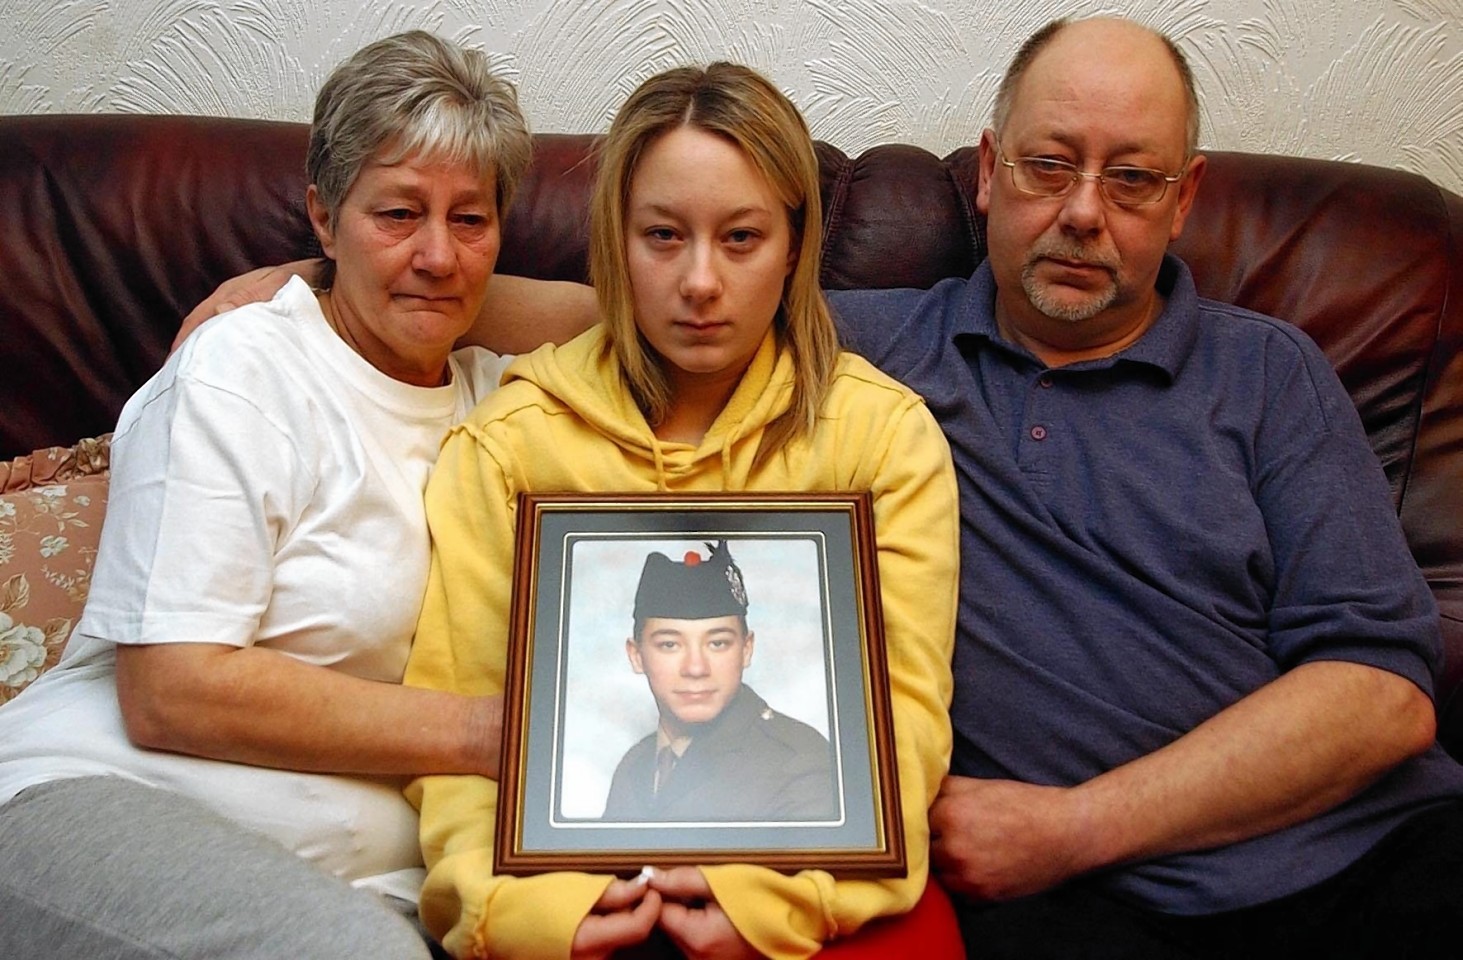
{"points": [[415, 94]]}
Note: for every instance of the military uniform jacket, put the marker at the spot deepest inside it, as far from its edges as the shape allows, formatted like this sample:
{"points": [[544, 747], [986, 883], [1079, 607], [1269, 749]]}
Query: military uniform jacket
{"points": [[751, 763]]}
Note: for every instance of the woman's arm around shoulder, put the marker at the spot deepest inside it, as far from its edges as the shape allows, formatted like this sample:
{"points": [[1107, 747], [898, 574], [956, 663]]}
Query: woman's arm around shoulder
{"points": [[518, 315]]}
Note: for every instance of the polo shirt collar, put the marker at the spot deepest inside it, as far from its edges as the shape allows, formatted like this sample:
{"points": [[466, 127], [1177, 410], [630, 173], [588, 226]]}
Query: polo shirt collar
{"points": [[1165, 346]]}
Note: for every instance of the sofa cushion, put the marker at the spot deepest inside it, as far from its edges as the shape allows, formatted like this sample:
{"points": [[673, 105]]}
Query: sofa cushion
{"points": [[51, 507]]}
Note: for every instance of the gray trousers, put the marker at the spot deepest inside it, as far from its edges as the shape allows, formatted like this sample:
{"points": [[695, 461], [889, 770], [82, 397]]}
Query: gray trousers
{"points": [[103, 868]]}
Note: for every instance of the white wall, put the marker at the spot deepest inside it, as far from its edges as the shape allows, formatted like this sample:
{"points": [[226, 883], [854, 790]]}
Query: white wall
{"points": [[1379, 81]]}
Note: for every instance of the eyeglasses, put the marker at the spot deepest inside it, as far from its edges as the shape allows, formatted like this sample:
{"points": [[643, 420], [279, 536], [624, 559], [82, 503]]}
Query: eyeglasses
{"points": [[1124, 186]]}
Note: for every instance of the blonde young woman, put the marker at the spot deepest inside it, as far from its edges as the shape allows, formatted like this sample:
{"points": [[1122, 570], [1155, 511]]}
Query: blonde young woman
{"points": [[716, 367]]}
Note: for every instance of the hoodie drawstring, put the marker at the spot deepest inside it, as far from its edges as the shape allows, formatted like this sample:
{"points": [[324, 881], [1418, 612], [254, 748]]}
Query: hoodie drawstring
{"points": [[661, 485], [726, 460]]}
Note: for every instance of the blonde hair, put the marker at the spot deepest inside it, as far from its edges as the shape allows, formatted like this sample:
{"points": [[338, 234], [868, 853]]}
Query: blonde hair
{"points": [[740, 105], [415, 93]]}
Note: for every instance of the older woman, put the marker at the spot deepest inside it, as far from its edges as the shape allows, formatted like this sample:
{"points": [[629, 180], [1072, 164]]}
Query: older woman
{"points": [[216, 761]]}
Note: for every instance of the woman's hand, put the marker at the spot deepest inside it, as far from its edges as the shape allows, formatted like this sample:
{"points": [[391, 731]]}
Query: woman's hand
{"points": [[252, 287], [693, 919], [623, 916]]}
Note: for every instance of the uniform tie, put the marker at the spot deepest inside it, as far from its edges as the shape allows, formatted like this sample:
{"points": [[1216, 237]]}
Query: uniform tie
{"points": [[665, 762]]}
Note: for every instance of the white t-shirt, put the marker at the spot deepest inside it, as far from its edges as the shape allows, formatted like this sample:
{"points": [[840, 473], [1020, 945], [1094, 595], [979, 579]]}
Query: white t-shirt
{"points": [[266, 489]]}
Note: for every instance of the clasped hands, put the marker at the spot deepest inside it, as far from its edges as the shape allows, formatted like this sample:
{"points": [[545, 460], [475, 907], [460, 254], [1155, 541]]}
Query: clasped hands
{"points": [[679, 901]]}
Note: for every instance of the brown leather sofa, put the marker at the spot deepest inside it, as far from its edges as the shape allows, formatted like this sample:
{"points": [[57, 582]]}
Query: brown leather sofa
{"points": [[113, 227]]}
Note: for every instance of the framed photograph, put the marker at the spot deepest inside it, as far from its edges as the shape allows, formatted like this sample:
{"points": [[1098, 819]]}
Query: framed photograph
{"points": [[697, 679]]}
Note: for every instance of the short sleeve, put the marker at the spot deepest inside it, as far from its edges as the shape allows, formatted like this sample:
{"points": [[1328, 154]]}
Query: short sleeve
{"points": [[1346, 585], [203, 487]]}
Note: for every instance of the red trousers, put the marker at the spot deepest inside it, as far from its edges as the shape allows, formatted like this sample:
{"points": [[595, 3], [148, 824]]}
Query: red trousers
{"points": [[927, 932]]}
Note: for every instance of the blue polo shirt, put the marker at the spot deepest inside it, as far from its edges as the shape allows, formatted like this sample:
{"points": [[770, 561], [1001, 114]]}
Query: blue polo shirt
{"points": [[1149, 537]]}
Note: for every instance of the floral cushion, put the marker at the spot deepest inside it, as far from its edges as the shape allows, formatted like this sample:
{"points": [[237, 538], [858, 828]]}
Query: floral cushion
{"points": [[51, 507]]}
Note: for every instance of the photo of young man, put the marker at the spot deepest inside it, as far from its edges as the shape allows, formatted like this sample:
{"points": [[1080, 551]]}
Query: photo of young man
{"points": [[719, 752]]}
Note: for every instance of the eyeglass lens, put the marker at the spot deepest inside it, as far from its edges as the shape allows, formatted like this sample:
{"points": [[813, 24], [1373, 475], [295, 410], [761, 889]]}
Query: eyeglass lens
{"points": [[1052, 178]]}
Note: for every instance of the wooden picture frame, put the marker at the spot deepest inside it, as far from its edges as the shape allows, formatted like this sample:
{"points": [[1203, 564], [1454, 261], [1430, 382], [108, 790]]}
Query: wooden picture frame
{"points": [[575, 706]]}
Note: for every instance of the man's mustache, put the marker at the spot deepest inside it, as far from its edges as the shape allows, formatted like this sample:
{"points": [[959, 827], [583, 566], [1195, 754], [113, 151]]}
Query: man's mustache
{"points": [[1074, 253]]}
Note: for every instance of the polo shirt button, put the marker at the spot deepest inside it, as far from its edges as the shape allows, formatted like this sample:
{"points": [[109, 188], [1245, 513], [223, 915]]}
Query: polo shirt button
{"points": [[1038, 432], [1044, 382]]}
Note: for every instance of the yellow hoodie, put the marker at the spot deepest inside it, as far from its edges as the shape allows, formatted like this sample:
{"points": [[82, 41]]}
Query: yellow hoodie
{"points": [[563, 421]]}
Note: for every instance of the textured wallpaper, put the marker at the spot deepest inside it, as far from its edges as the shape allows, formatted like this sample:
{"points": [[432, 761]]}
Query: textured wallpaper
{"points": [[1380, 81]]}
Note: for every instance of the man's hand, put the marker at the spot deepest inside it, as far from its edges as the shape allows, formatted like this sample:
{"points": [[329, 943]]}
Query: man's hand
{"points": [[252, 287], [692, 918], [1000, 839], [623, 916]]}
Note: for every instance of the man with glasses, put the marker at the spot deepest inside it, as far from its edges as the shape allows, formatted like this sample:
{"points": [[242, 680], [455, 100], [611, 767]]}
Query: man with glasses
{"points": [[1193, 711]]}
